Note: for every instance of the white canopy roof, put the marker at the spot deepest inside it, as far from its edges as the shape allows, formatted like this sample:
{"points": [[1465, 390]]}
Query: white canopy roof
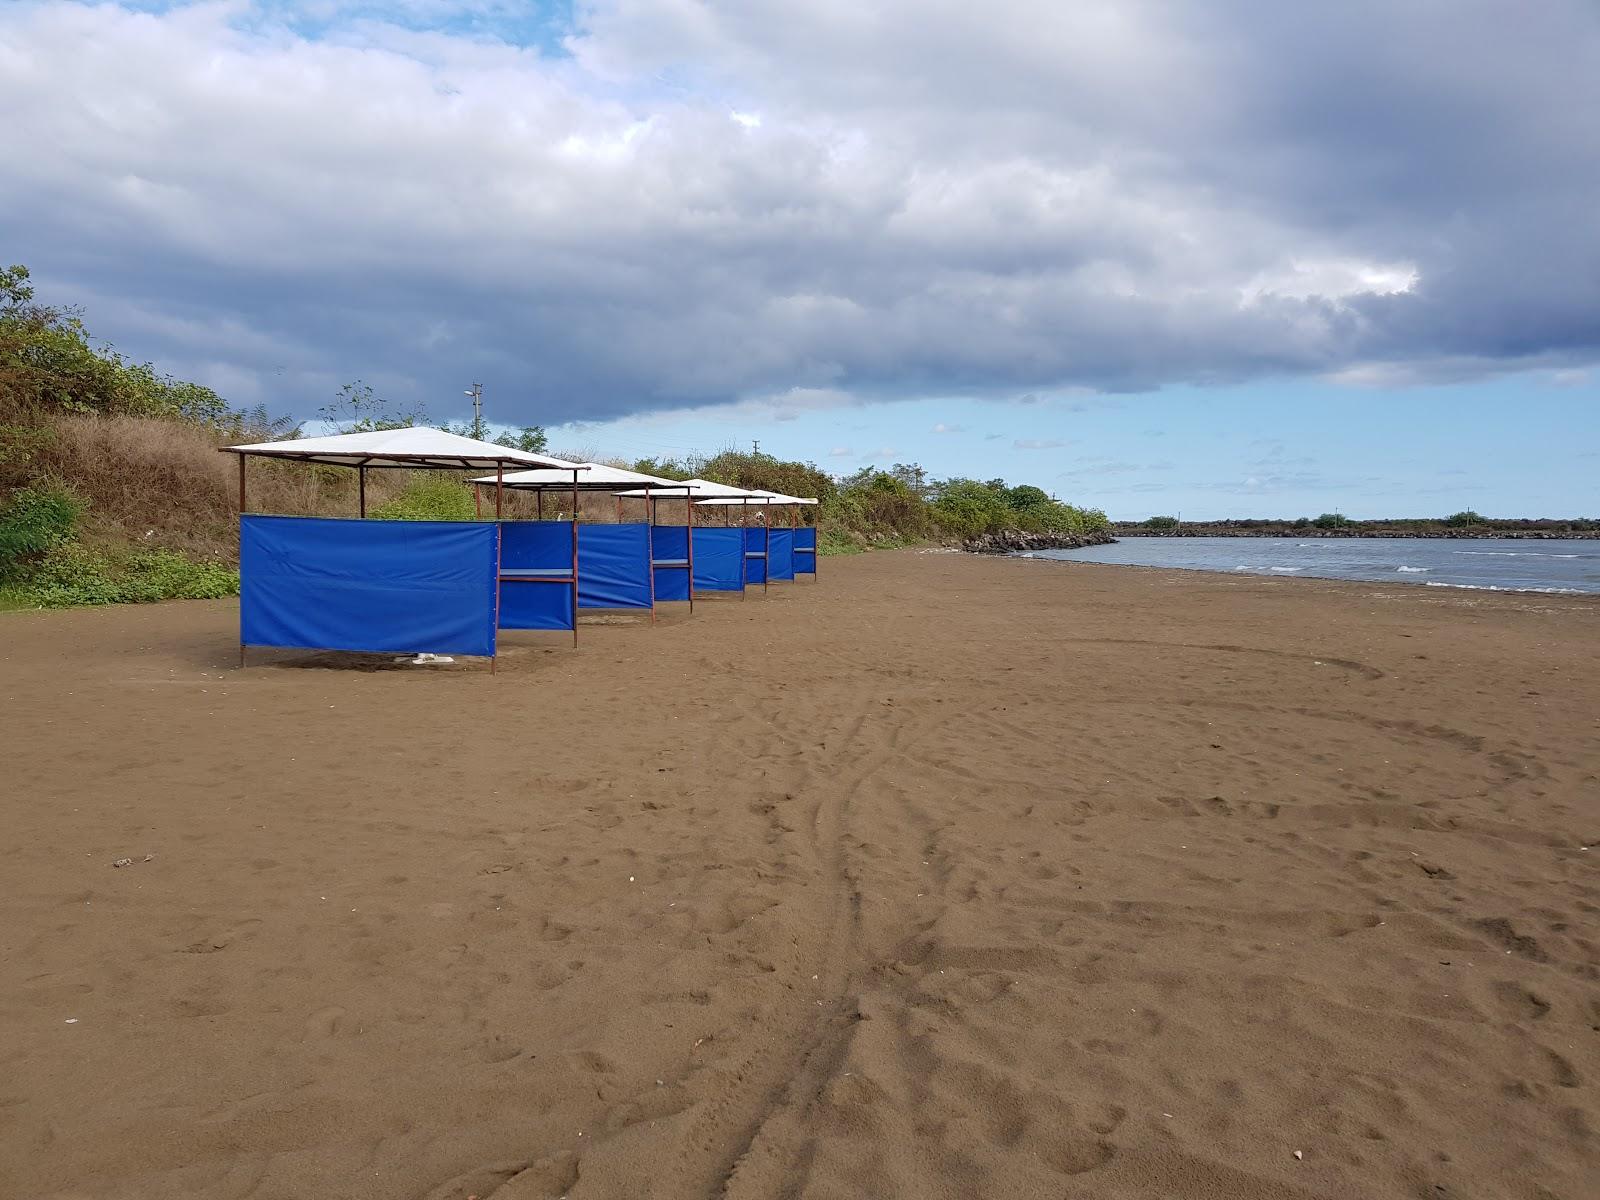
{"points": [[595, 475], [700, 487], [414, 446], [758, 498]]}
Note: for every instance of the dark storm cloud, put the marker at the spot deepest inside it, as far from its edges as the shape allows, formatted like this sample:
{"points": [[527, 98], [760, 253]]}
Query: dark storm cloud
{"points": [[694, 206]]}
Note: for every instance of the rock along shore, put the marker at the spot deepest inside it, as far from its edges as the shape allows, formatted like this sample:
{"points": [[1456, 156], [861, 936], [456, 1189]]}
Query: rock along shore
{"points": [[1013, 541]]}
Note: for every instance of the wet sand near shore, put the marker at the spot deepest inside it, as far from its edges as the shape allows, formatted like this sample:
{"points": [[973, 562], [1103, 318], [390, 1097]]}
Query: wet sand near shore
{"points": [[944, 877]]}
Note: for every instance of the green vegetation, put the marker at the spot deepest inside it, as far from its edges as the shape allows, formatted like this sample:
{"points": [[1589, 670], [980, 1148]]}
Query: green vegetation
{"points": [[430, 496], [36, 520], [46, 362], [42, 566], [1161, 524], [900, 506], [72, 575], [1466, 517]]}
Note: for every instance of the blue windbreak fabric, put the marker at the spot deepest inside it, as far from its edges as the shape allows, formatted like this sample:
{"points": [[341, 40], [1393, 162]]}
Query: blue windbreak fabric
{"points": [[529, 605], [670, 544], [755, 561], [805, 550], [780, 555], [407, 587], [718, 560], [614, 566], [536, 546]]}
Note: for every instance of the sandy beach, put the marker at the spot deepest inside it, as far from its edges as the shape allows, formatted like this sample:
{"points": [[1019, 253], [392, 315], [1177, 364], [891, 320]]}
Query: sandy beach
{"points": [[945, 877]]}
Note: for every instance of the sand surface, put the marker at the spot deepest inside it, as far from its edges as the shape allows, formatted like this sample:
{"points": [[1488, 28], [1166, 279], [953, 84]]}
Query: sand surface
{"points": [[945, 877]]}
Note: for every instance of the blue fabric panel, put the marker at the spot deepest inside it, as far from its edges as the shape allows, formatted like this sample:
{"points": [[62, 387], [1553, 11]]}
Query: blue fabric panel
{"points": [[533, 546], [755, 569], [537, 544], [670, 543], [718, 561], [614, 566], [525, 605], [780, 555], [672, 583], [405, 587], [805, 550]]}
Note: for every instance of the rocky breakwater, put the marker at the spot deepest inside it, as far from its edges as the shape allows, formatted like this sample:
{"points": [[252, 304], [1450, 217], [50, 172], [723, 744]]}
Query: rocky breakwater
{"points": [[1017, 541]]}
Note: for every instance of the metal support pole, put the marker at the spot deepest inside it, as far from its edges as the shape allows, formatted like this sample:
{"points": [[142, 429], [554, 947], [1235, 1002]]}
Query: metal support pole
{"points": [[241, 536], [499, 488], [649, 550], [499, 535], [688, 520], [574, 557], [477, 501], [766, 548], [361, 491], [540, 495]]}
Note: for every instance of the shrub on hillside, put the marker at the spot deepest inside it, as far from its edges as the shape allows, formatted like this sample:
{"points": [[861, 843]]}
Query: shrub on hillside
{"points": [[35, 520], [70, 575], [431, 498]]}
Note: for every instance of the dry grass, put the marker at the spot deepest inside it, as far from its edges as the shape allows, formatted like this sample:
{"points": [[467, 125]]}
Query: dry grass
{"points": [[163, 483]]}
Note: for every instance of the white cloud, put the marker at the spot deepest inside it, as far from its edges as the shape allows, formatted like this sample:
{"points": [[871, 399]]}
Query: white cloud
{"points": [[702, 204]]}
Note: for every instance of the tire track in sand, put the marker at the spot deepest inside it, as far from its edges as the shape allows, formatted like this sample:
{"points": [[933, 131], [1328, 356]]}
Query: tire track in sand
{"points": [[748, 1156]]}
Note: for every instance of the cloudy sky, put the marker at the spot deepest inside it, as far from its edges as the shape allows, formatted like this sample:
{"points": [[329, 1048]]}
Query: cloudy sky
{"points": [[1225, 256]]}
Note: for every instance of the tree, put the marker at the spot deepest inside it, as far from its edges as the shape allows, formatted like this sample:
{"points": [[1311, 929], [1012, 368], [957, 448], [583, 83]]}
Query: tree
{"points": [[530, 438], [1466, 517], [1331, 521], [1161, 523], [46, 362], [1025, 496], [357, 409]]}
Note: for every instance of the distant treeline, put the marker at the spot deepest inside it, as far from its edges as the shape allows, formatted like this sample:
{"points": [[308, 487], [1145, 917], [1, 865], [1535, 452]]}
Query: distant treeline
{"points": [[1465, 524], [897, 506]]}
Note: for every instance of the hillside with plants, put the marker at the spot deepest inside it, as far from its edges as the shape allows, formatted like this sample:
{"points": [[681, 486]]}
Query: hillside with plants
{"points": [[112, 490]]}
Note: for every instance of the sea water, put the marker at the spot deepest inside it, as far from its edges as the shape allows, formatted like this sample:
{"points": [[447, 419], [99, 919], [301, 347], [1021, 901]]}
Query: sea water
{"points": [[1493, 564]]}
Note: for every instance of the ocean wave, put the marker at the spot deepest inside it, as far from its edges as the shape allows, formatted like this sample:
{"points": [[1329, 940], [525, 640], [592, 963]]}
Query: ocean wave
{"points": [[1413, 570], [1268, 570], [1519, 554], [1491, 587]]}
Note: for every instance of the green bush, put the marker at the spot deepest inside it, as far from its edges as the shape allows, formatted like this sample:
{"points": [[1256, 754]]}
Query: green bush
{"points": [[70, 575], [834, 541], [433, 498], [35, 520]]}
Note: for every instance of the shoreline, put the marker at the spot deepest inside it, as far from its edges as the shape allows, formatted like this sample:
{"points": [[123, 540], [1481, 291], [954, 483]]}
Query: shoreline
{"points": [[939, 876], [1508, 535], [1302, 576]]}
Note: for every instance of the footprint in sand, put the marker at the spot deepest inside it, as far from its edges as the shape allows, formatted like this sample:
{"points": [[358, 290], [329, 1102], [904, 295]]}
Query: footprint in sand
{"points": [[325, 1023]]}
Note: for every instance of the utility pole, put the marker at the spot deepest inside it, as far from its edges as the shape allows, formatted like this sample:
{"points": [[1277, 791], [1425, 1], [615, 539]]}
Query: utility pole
{"points": [[755, 449], [477, 410]]}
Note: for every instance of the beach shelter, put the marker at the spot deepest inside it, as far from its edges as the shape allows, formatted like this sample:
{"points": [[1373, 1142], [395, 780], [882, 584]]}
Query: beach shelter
{"points": [[411, 587], [605, 566], [775, 553], [722, 560]]}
